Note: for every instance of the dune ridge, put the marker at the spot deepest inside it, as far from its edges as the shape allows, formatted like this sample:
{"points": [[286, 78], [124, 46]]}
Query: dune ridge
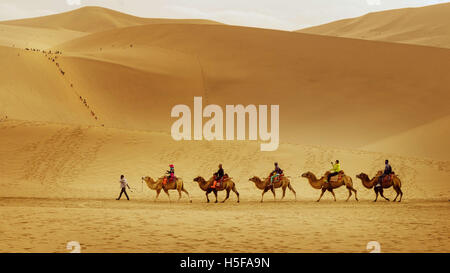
{"points": [[91, 19], [427, 26]]}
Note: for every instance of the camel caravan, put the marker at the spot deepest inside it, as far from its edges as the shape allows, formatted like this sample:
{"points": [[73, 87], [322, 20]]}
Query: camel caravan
{"points": [[221, 181]]}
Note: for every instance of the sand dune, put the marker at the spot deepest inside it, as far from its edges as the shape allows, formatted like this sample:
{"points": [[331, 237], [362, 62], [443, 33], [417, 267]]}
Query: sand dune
{"points": [[94, 19], [309, 76], [145, 70], [419, 142], [32, 88], [426, 26], [48, 31], [79, 119], [32, 37]]}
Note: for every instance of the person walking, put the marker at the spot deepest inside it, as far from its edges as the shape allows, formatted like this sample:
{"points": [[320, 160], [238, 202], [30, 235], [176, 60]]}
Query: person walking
{"points": [[123, 186]]}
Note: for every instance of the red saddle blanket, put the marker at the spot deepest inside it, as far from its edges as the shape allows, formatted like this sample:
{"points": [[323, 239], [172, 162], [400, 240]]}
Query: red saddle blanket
{"points": [[337, 177], [388, 178], [278, 178], [165, 181], [219, 183]]}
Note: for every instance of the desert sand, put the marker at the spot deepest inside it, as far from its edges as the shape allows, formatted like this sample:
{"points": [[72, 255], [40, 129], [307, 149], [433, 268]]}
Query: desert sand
{"points": [[72, 123], [425, 26]]}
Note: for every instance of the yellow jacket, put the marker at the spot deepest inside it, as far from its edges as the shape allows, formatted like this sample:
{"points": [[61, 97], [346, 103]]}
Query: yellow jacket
{"points": [[336, 167]]}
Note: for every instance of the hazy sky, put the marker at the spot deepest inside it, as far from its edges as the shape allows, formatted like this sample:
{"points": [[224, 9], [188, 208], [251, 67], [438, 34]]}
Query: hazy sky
{"points": [[277, 14]]}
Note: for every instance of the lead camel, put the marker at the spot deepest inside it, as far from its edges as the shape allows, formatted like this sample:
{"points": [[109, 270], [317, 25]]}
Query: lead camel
{"points": [[172, 185]]}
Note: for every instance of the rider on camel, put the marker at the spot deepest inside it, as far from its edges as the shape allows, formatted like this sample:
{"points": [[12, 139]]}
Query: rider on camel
{"points": [[387, 171], [218, 176], [170, 174], [335, 171], [275, 173]]}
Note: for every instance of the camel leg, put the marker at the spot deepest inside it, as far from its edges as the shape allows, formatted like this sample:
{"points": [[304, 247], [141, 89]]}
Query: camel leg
{"points": [[349, 194], [356, 197], [395, 199], [320, 197], [179, 194], [334, 196], [292, 190], [186, 192], [236, 192], [168, 195], [396, 190], [376, 195], [207, 198], [273, 192], [215, 193], [401, 194], [228, 195], [262, 195], [284, 192], [157, 194], [381, 193]]}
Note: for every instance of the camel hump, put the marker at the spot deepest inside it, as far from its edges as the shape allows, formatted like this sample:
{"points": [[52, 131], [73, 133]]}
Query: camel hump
{"points": [[338, 177], [226, 177], [389, 177]]}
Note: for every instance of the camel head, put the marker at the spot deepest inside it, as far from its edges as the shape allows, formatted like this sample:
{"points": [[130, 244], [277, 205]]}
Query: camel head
{"points": [[147, 179], [363, 176], [254, 179], [199, 179], [308, 175]]}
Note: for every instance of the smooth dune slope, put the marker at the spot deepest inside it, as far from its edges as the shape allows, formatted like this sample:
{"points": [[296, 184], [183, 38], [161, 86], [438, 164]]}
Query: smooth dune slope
{"points": [[428, 26], [423, 141], [93, 19], [48, 31], [32, 88], [331, 91], [33, 37]]}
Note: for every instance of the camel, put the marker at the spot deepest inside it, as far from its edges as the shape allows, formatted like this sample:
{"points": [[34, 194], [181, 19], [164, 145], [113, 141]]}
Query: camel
{"points": [[334, 184], [171, 185], [370, 183], [264, 186], [227, 184]]}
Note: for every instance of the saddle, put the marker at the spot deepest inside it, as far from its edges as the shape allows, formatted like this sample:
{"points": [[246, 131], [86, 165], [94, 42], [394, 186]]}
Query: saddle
{"points": [[337, 177], [388, 178], [169, 180], [220, 182], [278, 178]]}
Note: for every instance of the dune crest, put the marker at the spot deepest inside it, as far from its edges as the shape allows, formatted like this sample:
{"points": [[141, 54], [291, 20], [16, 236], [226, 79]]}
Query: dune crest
{"points": [[91, 19], [426, 26]]}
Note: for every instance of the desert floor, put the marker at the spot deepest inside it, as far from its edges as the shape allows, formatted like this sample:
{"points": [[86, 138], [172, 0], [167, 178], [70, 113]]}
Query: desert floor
{"points": [[60, 183], [141, 225]]}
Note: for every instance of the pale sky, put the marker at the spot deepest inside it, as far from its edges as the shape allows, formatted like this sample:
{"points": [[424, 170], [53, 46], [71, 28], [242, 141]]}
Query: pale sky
{"points": [[275, 14]]}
